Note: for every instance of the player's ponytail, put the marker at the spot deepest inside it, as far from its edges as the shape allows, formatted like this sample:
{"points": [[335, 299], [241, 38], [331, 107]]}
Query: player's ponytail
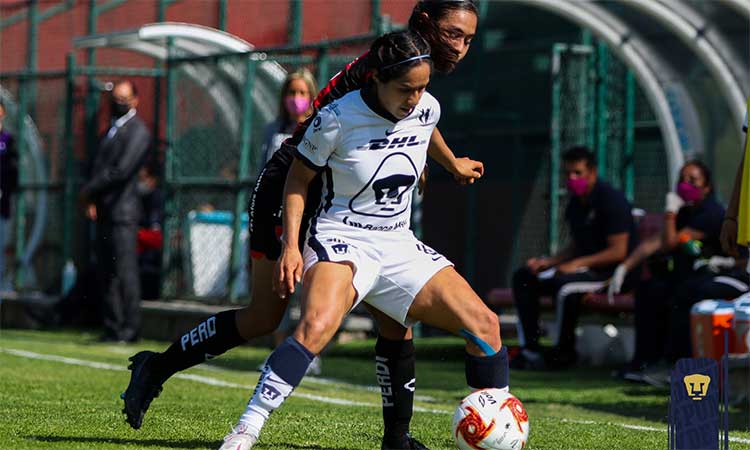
{"points": [[393, 54], [424, 20]]}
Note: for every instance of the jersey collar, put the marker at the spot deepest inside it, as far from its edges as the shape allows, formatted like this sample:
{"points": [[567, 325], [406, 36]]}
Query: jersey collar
{"points": [[371, 100]]}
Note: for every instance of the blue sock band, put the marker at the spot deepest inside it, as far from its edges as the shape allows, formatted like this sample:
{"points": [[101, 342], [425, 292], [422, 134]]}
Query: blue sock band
{"points": [[484, 372], [290, 361], [474, 339]]}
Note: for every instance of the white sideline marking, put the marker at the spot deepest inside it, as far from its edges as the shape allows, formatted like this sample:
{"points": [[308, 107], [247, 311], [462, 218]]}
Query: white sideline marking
{"points": [[199, 379], [326, 382], [643, 428], [331, 400]]}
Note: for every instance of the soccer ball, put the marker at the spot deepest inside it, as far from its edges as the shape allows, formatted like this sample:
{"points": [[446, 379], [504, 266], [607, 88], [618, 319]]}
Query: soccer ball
{"points": [[491, 419]]}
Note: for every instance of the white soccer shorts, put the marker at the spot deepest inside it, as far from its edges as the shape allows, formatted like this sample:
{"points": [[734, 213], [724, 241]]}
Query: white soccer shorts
{"points": [[388, 274]]}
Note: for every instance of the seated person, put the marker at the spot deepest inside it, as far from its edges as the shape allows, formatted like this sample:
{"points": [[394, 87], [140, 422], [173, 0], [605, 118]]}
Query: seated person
{"points": [[603, 233], [674, 259]]}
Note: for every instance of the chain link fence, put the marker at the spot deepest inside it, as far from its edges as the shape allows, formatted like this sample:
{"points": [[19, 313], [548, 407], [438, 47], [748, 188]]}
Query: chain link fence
{"points": [[210, 113], [596, 102], [216, 155]]}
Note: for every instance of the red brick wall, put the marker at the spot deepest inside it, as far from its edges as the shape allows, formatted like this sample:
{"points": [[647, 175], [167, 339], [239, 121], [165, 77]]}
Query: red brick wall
{"points": [[260, 22], [263, 23]]}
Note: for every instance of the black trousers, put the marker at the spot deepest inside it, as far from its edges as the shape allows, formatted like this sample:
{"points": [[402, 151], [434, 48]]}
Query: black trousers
{"points": [[662, 311], [566, 290], [725, 286], [117, 262]]}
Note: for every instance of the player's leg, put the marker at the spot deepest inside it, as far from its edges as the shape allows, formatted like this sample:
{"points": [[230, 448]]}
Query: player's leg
{"points": [[227, 329], [448, 302], [328, 294], [395, 374], [211, 338]]}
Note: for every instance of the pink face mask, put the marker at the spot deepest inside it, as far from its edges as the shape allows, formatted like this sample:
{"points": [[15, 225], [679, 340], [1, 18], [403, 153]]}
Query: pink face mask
{"points": [[689, 193], [297, 105], [577, 186]]}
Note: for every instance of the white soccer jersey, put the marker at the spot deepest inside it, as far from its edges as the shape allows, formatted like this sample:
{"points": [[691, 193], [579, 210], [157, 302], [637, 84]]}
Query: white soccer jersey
{"points": [[371, 165]]}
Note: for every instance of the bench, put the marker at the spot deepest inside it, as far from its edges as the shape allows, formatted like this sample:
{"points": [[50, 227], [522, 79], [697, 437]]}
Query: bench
{"points": [[595, 302]]}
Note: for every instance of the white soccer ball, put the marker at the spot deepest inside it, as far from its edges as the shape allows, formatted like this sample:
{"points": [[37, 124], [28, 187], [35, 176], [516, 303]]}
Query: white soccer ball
{"points": [[491, 419]]}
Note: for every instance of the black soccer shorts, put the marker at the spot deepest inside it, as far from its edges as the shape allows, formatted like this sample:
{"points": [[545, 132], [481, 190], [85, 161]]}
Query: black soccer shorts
{"points": [[265, 207]]}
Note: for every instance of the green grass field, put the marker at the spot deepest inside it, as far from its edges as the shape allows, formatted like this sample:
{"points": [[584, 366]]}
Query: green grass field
{"points": [[60, 390]]}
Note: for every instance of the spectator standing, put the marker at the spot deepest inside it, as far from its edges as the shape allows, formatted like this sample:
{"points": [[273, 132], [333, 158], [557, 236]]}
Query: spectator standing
{"points": [[111, 199], [297, 95]]}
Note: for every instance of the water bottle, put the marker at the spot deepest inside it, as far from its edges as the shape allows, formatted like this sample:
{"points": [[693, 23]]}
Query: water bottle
{"points": [[68, 277], [692, 247]]}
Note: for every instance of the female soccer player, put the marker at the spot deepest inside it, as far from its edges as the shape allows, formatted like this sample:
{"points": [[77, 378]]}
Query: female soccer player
{"points": [[448, 27], [370, 145]]}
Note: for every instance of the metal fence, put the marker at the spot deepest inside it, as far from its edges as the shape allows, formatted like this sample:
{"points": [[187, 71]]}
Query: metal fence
{"points": [[208, 115]]}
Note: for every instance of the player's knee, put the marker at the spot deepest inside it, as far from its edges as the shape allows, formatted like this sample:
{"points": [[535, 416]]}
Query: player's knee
{"points": [[251, 323], [486, 327], [315, 334]]}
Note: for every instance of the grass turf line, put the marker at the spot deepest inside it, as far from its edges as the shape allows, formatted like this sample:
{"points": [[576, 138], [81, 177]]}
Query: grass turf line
{"points": [[47, 404]]}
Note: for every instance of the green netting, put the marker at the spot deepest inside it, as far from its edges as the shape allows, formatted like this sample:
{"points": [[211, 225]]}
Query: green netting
{"points": [[204, 180], [596, 103]]}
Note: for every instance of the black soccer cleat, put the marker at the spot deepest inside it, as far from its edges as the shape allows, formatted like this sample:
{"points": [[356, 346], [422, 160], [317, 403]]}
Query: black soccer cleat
{"points": [[405, 443], [141, 390]]}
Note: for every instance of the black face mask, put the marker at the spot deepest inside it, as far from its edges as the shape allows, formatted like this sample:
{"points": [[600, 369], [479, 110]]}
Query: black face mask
{"points": [[119, 109]]}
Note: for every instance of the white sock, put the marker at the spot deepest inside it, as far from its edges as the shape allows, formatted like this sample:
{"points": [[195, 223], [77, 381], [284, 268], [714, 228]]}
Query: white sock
{"points": [[270, 393]]}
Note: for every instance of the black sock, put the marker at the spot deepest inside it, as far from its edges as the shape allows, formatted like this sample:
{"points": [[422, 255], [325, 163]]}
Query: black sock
{"points": [[487, 371], [209, 339], [394, 367]]}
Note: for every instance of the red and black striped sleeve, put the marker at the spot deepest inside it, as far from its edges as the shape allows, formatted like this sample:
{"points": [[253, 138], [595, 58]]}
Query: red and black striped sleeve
{"points": [[352, 77]]}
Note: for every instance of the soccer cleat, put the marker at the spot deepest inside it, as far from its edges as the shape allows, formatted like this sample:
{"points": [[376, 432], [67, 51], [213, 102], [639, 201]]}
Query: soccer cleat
{"points": [[406, 443], [241, 438], [141, 390]]}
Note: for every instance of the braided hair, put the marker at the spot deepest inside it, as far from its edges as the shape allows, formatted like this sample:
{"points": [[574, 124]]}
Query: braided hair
{"points": [[394, 54]]}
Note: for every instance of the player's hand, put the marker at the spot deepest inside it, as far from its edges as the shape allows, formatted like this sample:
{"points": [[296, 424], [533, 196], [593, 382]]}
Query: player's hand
{"points": [[288, 271], [615, 283], [536, 265], [673, 203], [466, 170], [728, 237]]}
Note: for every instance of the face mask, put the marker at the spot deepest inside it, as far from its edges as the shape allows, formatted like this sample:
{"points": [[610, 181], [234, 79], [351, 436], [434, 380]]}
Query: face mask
{"points": [[119, 109], [297, 105], [577, 186], [689, 193]]}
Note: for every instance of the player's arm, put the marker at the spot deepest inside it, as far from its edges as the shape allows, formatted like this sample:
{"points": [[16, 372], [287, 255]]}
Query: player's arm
{"points": [[465, 170], [295, 192], [311, 157]]}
